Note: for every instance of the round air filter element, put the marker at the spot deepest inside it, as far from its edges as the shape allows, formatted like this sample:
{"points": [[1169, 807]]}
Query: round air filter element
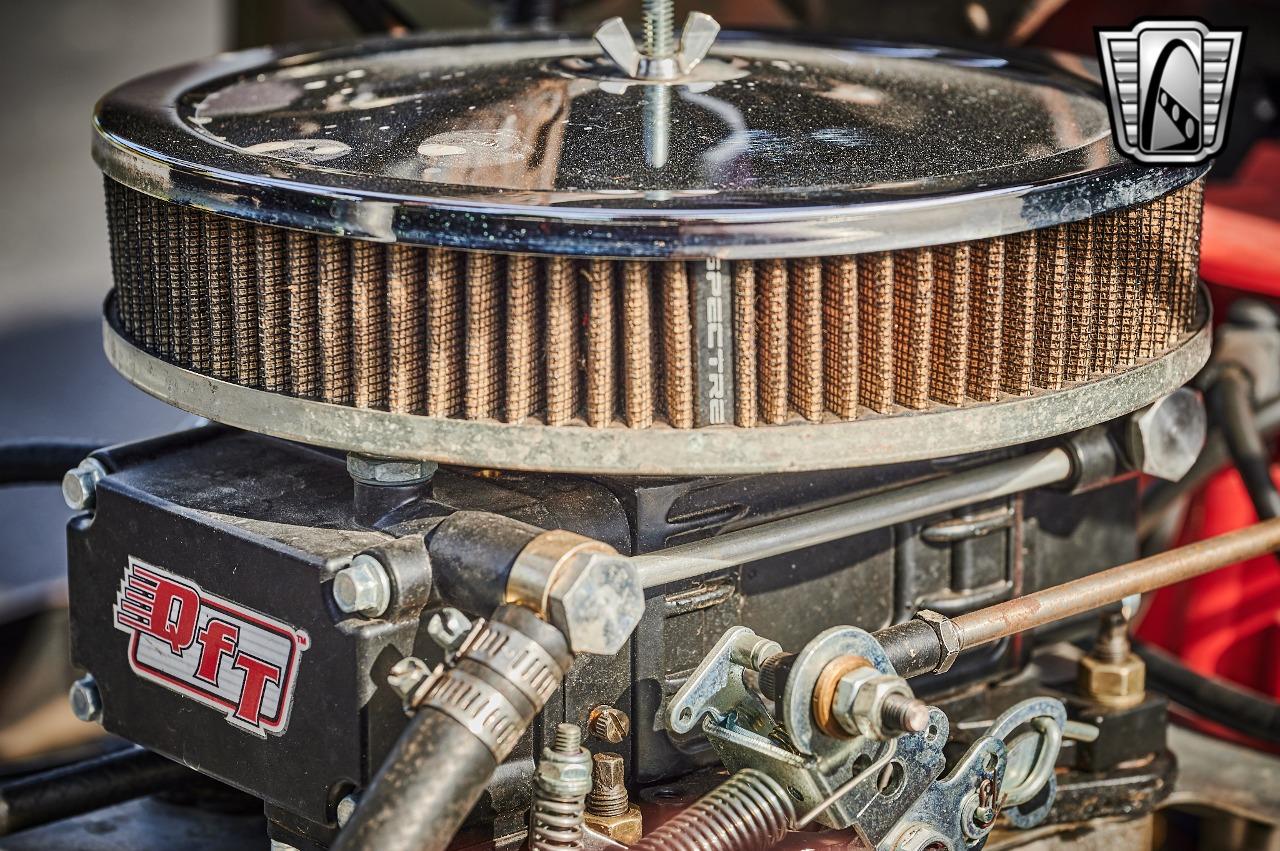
{"points": [[511, 254]]}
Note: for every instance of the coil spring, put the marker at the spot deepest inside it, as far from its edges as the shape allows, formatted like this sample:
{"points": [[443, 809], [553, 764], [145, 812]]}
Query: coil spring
{"points": [[748, 812], [555, 819], [556, 823]]}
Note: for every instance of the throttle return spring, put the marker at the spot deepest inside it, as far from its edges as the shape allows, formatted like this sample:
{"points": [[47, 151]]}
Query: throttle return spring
{"points": [[555, 819], [748, 812]]}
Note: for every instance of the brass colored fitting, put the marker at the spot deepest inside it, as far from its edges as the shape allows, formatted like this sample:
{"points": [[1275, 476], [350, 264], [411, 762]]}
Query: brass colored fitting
{"points": [[1115, 684], [1111, 674], [609, 810], [627, 828]]}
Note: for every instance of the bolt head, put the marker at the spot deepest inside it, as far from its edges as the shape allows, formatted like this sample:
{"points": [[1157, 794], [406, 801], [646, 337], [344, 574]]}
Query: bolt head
{"points": [[363, 588], [1165, 438], [80, 485], [608, 770], [86, 701], [447, 628], [389, 471], [346, 808], [597, 603], [407, 675]]}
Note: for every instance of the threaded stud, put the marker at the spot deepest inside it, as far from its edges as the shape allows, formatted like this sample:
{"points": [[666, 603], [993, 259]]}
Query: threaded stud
{"points": [[568, 739]]}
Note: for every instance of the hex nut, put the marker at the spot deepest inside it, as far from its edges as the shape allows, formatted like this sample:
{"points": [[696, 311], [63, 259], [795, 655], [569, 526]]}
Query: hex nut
{"points": [[846, 694], [1115, 684], [597, 602], [948, 637], [363, 588], [627, 828], [869, 700], [370, 470], [1166, 437], [570, 777]]}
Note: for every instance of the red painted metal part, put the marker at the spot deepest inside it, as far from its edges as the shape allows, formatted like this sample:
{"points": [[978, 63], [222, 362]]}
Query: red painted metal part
{"points": [[1227, 624]]}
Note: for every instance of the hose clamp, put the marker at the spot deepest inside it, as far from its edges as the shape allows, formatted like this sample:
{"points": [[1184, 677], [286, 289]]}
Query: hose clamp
{"points": [[525, 663], [479, 707]]}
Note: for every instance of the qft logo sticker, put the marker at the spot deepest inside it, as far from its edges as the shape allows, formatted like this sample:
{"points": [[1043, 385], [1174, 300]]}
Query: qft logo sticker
{"points": [[208, 648]]}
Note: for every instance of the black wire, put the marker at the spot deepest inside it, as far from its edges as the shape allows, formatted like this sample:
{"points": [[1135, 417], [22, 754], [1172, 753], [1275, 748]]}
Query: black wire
{"points": [[41, 459], [1217, 700], [1232, 399]]}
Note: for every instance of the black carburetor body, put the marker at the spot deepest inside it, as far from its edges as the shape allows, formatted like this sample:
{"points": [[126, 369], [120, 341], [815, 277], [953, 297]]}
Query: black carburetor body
{"points": [[200, 593]]}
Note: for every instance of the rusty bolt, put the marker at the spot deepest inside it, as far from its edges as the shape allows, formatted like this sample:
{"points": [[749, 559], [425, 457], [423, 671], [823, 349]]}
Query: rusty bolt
{"points": [[608, 724], [609, 810]]}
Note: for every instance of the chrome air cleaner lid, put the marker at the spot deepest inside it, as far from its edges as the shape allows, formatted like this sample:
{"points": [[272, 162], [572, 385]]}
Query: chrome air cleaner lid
{"points": [[767, 148]]}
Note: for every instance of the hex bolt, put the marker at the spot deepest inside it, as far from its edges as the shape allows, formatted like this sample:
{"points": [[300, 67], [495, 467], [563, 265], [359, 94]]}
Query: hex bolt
{"points": [[608, 786], [371, 470], [363, 588], [80, 484], [447, 628], [904, 714], [86, 700], [608, 724], [346, 808]]}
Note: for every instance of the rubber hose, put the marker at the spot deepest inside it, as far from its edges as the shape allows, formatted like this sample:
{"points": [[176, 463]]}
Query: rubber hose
{"points": [[41, 459], [1232, 399], [430, 781], [1215, 699]]}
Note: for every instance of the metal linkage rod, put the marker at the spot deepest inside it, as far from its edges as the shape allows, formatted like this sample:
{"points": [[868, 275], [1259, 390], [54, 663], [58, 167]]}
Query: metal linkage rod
{"points": [[1113, 585], [854, 517]]}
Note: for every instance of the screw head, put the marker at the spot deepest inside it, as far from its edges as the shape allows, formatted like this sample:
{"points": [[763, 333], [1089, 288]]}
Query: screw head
{"points": [[80, 484], [363, 588], [1165, 439], [86, 701], [346, 808], [407, 675], [447, 628], [609, 724]]}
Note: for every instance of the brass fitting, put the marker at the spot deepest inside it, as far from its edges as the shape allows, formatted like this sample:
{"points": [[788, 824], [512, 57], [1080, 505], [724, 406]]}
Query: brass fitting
{"points": [[609, 809], [1111, 674]]}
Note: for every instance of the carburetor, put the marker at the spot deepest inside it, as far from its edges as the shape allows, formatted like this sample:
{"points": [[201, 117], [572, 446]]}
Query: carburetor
{"points": [[546, 375]]}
